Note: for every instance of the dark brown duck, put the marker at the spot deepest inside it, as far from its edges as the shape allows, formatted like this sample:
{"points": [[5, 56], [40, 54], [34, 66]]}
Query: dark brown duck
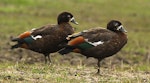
{"points": [[98, 42], [46, 39]]}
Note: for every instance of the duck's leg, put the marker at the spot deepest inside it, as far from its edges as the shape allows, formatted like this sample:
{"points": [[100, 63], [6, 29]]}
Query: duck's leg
{"points": [[49, 59], [45, 55], [45, 59], [98, 64]]}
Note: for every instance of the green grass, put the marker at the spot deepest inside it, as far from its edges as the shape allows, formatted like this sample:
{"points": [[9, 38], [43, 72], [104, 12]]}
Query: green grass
{"points": [[17, 16]]}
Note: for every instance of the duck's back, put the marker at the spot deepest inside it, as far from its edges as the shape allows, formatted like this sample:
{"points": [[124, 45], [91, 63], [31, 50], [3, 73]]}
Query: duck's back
{"points": [[52, 36]]}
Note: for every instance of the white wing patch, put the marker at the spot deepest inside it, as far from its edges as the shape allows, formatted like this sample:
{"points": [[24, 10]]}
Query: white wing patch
{"points": [[94, 43], [33, 29], [36, 37]]}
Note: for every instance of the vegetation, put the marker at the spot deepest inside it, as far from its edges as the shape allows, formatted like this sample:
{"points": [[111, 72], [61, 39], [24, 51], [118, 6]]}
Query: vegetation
{"points": [[130, 65]]}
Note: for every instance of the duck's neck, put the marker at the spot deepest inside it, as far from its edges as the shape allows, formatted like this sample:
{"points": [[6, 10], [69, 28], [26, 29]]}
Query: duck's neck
{"points": [[122, 34], [123, 37], [64, 23], [66, 27]]}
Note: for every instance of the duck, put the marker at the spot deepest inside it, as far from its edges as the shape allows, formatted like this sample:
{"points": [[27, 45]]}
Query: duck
{"points": [[46, 39], [99, 42]]}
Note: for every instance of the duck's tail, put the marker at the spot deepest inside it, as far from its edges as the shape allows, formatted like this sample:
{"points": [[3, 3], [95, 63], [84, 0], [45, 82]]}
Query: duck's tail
{"points": [[66, 50], [19, 42]]}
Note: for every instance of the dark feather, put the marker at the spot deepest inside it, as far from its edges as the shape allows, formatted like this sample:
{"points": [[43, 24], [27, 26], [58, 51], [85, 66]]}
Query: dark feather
{"points": [[52, 36], [112, 38]]}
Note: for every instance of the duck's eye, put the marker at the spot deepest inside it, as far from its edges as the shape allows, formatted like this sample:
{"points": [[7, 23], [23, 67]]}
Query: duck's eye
{"points": [[116, 24], [68, 16]]}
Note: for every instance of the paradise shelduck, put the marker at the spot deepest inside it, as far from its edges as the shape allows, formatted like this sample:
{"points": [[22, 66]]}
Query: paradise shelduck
{"points": [[46, 39], [98, 42]]}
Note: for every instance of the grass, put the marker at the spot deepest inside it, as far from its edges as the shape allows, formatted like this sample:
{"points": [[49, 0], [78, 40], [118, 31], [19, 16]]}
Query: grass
{"points": [[69, 74], [18, 16]]}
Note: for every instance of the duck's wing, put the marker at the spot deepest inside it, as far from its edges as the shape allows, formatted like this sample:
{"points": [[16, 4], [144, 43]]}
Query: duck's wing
{"points": [[88, 39], [96, 35], [44, 30], [35, 35]]}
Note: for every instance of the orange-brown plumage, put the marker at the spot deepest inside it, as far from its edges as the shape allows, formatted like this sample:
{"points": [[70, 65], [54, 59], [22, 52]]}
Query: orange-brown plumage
{"points": [[25, 34], [76, 41]]}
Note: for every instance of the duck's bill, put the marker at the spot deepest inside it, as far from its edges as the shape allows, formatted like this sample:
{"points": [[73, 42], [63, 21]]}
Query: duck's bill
{"points": [[73, 21], [120, 28]]}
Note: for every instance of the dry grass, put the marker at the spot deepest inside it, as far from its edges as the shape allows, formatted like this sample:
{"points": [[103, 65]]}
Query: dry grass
{"points": [[69, 74]]}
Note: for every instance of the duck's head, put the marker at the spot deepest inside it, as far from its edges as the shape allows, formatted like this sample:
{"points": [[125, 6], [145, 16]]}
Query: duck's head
{"points": [[66, 17], [115, 26]]}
